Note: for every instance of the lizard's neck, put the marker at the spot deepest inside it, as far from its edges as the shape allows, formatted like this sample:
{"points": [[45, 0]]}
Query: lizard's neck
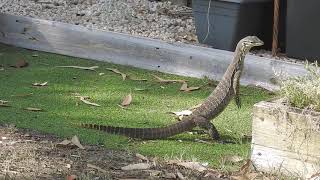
{"points": [[237, 63]]}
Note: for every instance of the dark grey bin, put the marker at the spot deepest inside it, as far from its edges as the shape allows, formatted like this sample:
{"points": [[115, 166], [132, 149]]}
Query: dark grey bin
{"points": [[303, 28], [231, 20]]}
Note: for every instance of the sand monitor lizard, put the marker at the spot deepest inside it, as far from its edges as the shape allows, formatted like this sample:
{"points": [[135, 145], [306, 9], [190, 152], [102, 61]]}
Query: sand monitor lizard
{"points": [[217, 101]]}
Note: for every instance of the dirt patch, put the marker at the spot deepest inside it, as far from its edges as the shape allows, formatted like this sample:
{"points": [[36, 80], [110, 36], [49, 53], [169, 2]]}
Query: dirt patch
{"points": [[30, 155]]}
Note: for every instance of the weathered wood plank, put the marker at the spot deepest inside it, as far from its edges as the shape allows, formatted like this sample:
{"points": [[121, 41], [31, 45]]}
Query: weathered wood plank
{"points": [[285, 139], [175, 58]]}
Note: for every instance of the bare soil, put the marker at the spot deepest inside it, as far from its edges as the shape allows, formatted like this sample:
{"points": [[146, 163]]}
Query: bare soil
{"points": [[26, 154]]}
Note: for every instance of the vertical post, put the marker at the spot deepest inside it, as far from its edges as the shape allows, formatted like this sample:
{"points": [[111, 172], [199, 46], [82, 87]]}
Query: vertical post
{"points": [[275, 27]]}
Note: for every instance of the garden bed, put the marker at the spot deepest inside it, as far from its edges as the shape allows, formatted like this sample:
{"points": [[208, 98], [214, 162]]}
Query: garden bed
{"points": [[286, 140]]}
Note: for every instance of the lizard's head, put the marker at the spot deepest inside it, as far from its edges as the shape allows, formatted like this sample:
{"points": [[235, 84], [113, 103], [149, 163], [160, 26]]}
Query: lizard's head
{"points": [[248, 42]]}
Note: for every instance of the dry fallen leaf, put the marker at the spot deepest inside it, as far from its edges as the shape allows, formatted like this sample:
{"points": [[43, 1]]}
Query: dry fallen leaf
{"points": [[32, 109], [185, 87], [92, 68], [168, 175], [3, 101], [124, 76], [139, 166], [100, 74], [140, 156], [64, 142], [75, 141], [4, 105], [20, 64], [83, 99], [233, 159], [202, 141], [127, 100], [139, 89], [193, 165], [96, 167], [245, 168], [183, 113], [159, 79], [180, 176], [40, 84]]}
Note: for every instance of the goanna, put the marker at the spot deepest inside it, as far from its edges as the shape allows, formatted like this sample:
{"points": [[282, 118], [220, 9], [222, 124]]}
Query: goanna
{"points": [[217, 101]]}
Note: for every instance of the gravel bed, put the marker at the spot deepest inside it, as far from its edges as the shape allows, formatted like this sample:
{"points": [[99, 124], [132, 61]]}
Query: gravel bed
{"points": [[158, 20]]}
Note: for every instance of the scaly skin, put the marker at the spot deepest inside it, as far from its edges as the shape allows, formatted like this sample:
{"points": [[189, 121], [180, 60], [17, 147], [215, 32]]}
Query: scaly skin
{"points": [[217, 101]]}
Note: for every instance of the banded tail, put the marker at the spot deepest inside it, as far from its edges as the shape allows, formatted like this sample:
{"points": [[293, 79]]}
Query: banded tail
{"points": [[145, 133]]}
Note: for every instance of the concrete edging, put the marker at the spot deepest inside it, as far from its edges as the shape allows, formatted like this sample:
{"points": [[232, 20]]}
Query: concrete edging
{"points": [[175, 58]]}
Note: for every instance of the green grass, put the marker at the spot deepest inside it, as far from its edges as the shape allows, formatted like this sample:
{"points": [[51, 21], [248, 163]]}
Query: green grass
{"points": [[148, 109]]}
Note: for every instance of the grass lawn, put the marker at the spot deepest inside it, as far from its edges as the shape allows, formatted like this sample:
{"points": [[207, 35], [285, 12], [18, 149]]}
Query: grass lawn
{"points": [[148, 109]]}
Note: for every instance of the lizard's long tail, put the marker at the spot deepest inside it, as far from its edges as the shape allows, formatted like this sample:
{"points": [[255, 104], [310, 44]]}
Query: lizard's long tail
{"points": [[145, 133]]}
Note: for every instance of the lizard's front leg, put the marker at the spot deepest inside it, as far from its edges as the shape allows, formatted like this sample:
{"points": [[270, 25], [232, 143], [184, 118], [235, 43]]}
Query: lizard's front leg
{"points": [[207, 125]]}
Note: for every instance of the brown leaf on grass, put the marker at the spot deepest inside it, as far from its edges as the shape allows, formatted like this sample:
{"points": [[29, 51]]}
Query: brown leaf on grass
{"points": [[159, 79], [181, 114], [127, 100], [64, 142], [124, 76], [33, 109], [83, 99], [168, 175], [180, 175], [96, 167], [233, 159], [23, 95], [20, 64], [40, 84], [3, 101], [92, 68], [139, 166], [140, 156], [75, 141], [185, 87], [139, 89], [4, 105], [245, 168], [71, 144], [193, 165]]}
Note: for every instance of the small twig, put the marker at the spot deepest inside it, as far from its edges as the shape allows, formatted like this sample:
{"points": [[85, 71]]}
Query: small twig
{"points": [[92, 68], [83, 99]]}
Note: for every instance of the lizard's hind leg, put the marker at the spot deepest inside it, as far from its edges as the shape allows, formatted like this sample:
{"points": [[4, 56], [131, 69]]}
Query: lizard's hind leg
{"points": [[207, 125]]}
